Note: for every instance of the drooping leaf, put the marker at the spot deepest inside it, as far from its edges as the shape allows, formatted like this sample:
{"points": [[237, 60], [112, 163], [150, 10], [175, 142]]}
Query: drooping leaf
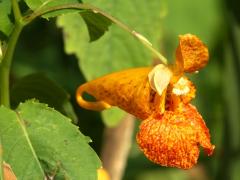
{"points": [[43, 4], [45, 90], [58, 145], [17, 146], [97, 24], [5, 22]]}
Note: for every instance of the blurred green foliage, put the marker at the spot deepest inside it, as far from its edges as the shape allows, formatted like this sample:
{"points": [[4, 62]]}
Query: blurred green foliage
{"points": [[46, 91], [41, 49]]}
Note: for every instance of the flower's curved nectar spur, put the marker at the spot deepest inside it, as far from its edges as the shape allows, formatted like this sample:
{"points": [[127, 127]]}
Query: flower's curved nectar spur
{"points": [[172, 129], [130, 90]]}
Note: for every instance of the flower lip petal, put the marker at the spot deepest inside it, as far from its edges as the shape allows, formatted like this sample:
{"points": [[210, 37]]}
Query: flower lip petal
{"points": [[172, 139]]}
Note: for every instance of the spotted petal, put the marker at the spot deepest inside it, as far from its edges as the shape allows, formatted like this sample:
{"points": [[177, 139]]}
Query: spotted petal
{"points": [[173, 139], [191, 54]]}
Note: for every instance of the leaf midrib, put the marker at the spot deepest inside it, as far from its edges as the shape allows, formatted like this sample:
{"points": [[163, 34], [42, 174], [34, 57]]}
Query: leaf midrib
{"points": [[29, 141]]}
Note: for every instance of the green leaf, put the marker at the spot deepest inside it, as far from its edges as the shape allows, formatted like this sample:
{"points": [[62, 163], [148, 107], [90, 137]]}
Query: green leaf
{"points": [[43, 4], [5, 22], [117, 49], [62, 145], [97, 24], [45, 90], [17, 146], [59, 146]]}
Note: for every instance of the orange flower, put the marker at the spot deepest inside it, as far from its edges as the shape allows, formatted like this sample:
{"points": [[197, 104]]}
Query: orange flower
{"points": [[140, 91], [172, 139], [172, 129]]}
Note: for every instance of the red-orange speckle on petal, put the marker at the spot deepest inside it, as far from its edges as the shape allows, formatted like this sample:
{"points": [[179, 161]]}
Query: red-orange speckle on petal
{"points": [[173, 139]]}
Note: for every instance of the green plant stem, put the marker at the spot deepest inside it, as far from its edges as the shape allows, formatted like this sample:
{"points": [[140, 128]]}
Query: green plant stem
{"points": [[8, 55], [6, 65], [16, 10], [80, 6]]}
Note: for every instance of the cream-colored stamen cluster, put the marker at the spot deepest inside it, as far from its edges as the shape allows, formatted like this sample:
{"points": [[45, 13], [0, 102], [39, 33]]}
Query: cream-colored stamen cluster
{"points": [[181, 87]]}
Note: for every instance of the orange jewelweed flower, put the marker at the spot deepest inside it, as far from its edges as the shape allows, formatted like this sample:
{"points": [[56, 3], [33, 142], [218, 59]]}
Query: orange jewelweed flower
{"points": [[173, 129]]}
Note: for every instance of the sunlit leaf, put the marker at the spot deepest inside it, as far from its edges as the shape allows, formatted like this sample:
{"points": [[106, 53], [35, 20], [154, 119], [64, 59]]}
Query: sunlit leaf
{"points": [[43, 4], [5, 21]]}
